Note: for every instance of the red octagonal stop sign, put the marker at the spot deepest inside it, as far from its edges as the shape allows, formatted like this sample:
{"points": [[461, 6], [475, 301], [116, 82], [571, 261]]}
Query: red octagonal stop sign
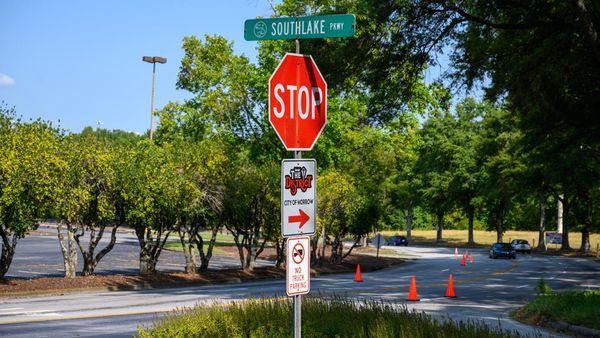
{"points": [[297, 101]]}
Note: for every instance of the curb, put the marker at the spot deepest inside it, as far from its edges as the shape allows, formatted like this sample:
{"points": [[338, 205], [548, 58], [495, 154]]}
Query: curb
{"points": [[578, 330]]}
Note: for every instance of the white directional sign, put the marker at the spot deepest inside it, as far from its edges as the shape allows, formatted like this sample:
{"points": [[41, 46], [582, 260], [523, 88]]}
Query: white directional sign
{"points": [[297, 268], [298, 197]]}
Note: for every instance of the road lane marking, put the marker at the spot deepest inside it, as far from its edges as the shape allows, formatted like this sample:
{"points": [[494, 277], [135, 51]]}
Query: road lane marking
{"points": [[27, 312], [32, 272], [445, 270], [522, 286]]}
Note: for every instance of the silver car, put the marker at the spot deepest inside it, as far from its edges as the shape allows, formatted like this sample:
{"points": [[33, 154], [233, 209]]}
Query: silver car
{"points": [[521, 245]]}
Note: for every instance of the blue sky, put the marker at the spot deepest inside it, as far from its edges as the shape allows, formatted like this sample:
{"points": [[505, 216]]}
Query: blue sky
{"points": [[80, 61]]}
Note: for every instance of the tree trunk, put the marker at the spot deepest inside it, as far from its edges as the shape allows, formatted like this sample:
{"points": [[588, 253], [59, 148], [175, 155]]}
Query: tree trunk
{"points": [[471, 218], [280, 252], [499, 232], [440, 226], [8, 251], [240, 246], [559, 215], [147, 264], [542, 232], [108, 248], [336, 248], [68, 250], [585, 240], [205, 258], [408, 220], [150, 248], [323, 246], [188, 251], [249, 263], [89, 264], [89, 261], [565, 226]]}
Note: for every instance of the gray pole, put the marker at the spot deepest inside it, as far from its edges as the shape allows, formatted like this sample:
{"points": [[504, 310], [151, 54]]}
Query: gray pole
{"points": [[152, 99], [298, 298]]}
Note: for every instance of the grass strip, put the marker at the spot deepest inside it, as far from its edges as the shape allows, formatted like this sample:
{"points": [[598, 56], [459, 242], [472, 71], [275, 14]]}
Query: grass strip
{"points": [[580, 308], [321, 317]]}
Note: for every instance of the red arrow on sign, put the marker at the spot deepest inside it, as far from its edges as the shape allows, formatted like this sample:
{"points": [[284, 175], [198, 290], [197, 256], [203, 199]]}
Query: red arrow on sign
{"points": [[302, 218]]}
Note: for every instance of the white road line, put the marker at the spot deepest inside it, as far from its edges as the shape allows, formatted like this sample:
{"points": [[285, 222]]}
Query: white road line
{"points": [[32, 272], [33, 312], [49, 314], [445, 270], [522, 286], [3, 311]]}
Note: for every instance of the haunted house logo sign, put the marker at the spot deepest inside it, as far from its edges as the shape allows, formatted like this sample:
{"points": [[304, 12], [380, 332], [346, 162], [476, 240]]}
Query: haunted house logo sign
{"points": [[297, 179]]}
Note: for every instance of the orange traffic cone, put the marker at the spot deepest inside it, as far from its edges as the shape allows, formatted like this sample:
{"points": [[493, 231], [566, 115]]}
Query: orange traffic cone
{"points": [[357, 276], [412, 291], [471, 259], [450, 290], [463, 261], [455, 252]]}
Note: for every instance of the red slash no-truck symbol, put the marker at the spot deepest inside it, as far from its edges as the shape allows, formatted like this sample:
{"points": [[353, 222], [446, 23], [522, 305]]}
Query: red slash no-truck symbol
{"points": [[298, 253], [302, 217]]}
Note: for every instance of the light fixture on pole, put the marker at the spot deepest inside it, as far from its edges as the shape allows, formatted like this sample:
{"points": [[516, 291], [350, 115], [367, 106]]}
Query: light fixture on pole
{"points": [[153, 60]]}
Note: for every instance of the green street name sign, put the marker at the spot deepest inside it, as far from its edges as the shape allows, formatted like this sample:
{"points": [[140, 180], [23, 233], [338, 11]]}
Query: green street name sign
{"points": [[305, 27]]}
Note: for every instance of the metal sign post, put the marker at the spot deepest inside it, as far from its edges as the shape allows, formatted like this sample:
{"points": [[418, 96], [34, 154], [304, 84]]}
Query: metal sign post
{"points": [[297, 275], [298, 298]]}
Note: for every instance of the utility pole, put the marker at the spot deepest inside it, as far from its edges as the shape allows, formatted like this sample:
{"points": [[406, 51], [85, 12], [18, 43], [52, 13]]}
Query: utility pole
{"points": [[153, 60]]}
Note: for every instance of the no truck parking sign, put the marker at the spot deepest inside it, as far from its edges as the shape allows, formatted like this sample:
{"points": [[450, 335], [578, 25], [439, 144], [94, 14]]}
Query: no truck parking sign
{"points": [[297, 272]]}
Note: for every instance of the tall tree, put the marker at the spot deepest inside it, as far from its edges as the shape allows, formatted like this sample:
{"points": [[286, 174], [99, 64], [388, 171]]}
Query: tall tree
{"points": [[503, 168], [250, 206], [28, 162], [434, 165], [85, 199], [201, 167], [152, 203], [466, 160]]}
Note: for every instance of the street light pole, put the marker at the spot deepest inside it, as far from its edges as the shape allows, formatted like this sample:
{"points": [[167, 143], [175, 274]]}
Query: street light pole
{"points": [[153, 60], [152, 100]]}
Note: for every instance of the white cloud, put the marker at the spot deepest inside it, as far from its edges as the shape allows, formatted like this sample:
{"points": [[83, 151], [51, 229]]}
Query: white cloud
{"points": [[6, 81]]}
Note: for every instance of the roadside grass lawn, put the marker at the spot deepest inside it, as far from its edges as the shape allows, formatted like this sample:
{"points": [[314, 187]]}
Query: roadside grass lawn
{"points": [[320, 318], [487, 238], [580, 308]]}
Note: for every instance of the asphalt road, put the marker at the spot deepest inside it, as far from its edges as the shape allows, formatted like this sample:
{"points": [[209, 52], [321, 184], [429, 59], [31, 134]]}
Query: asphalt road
{"points": [[40, 256], [487, 290]]}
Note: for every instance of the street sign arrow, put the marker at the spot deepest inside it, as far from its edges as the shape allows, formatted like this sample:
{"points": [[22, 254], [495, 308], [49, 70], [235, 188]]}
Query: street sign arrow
{"points": [[302, 218]]}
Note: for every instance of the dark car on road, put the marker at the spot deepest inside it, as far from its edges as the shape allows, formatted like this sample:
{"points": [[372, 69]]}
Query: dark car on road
{"points": [[502, 250], [397, 240]]}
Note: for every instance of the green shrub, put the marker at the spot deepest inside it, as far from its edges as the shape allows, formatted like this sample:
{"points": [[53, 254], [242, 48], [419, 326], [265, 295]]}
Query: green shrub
{"points": [[320, 318]]}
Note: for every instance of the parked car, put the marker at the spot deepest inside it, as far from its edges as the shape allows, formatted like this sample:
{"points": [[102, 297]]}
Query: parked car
{"points": [[397, 240], [521, 245], [502, 250]]}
